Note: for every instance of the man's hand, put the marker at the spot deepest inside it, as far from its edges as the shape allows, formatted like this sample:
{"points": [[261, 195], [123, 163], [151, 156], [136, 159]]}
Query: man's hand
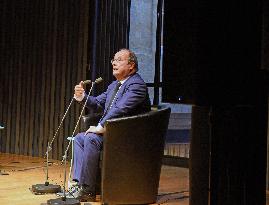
{"points": [[79, 91], [96, 129]]}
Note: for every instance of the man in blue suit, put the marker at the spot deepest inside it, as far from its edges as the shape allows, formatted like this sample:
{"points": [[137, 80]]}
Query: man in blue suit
{"points": [[126, 96]]}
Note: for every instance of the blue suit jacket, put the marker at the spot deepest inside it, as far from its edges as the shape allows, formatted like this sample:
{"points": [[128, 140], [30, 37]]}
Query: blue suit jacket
{"points": [[131, 99]]}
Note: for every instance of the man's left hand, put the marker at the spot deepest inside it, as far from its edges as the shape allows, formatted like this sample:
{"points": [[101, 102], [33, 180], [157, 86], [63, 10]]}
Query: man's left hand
{"points": [[96, 129]]}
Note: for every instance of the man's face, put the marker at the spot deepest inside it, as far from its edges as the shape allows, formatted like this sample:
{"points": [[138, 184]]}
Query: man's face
{"points": [[121, 68]]}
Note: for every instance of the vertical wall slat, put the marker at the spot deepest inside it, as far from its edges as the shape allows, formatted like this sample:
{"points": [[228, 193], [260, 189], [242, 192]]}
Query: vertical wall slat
{"points": [[19, 18]]}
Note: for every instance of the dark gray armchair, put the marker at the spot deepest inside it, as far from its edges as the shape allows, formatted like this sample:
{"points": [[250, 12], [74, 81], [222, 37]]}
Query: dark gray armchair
{"points": [[132, 157]]}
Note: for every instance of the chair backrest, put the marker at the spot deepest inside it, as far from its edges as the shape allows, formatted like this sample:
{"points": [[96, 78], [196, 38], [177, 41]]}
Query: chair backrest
{"points": [[132, 157]]}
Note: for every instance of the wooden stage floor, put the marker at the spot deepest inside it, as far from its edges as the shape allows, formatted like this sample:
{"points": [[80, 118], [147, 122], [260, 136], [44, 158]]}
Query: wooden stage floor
{"points": [[25, 171]]}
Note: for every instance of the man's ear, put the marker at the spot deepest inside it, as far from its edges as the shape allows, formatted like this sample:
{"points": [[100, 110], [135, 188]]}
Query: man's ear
{"points": [[132, 66]]}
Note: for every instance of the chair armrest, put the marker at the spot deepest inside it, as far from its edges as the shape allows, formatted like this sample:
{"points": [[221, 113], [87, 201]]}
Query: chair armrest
{"points": [[91, 119]]}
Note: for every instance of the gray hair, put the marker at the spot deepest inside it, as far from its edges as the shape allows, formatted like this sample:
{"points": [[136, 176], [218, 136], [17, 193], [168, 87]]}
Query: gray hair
{"points": [[132, 57]]}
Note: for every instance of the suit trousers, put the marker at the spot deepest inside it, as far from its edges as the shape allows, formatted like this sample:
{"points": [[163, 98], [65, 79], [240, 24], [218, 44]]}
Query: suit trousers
{"points": [[86, 158]]}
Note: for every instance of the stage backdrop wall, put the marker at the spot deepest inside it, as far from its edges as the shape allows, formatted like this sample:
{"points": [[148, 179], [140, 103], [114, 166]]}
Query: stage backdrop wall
{"points": [[110, 20], [43, 55]]}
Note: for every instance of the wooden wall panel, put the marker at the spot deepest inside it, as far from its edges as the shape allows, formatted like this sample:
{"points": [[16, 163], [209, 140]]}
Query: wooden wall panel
{"points": [[43, 55]]}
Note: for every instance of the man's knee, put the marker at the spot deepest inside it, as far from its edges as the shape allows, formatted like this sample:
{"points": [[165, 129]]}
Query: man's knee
{"points": [[94, 140], [79, 138]]}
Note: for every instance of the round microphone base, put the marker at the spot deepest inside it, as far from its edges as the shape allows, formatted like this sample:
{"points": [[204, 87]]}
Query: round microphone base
{"points": [[63, 201], [45, 188], [3, 173]]}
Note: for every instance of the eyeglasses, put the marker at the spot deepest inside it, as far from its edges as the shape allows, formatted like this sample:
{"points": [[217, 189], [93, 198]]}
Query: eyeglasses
{"points": [[117, 60]]}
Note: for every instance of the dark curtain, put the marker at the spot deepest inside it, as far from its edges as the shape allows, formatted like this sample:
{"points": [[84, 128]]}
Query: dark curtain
{"points": [[43, 55], [110, 32], [46, 48]]}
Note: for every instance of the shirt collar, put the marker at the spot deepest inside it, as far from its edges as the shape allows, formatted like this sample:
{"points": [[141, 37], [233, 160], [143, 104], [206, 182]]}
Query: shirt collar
{"points": [[122, 81]]}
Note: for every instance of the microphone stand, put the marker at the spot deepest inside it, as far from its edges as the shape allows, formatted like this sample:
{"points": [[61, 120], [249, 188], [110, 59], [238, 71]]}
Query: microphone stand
{"points": [[63, 199], [2, 173], [47, 187]]}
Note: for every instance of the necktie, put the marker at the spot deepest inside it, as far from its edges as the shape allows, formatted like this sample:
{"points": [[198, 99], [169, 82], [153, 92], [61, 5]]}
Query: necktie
{"points": [[113, 95]]}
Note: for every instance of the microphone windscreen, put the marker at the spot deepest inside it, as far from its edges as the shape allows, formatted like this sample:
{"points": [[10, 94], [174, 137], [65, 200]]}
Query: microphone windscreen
{"points": [[98, 80], [87, 82]]}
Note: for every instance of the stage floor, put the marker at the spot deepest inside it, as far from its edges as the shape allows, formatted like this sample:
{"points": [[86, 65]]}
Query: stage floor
{"points": [[25, 171]]}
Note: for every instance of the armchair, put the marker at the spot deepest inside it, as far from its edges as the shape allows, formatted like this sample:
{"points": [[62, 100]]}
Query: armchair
{"points": [[132, 157]]}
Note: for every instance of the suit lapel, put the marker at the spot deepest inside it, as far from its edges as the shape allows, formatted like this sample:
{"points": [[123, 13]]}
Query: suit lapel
{"points": [[119, 94]]}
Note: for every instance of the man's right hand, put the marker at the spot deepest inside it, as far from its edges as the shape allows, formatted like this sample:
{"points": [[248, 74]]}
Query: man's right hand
{"points": [[79, 91]]}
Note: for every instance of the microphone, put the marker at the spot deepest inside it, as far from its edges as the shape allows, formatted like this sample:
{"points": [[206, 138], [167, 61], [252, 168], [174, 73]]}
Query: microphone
{"points": [[98, 80], [87, 82]]}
